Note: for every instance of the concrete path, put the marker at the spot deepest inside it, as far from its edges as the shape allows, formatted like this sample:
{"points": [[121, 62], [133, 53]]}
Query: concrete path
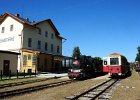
{"points": [[48, 75]]}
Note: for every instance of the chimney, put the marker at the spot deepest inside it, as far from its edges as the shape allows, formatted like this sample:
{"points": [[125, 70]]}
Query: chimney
{"points": [[18, 15], [27, 19]]}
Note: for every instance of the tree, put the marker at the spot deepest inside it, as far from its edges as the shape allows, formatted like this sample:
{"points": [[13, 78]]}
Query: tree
{"points": [[76, 53], [138, 55], [98, 58], [132, 65]]}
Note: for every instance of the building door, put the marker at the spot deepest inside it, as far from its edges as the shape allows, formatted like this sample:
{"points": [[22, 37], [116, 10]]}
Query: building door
{"points": [[6, 64]]}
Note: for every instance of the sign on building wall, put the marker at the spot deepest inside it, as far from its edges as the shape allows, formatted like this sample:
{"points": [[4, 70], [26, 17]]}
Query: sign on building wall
{"points": [[10, 42], [8, 39]]}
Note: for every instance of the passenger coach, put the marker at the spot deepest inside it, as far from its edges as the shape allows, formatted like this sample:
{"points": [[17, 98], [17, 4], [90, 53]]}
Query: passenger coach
{"points": [[116, 64]]}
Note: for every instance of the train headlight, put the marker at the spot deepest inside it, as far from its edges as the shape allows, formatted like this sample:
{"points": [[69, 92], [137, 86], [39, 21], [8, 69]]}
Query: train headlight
{"points": [[77, 70], [70, 70]]}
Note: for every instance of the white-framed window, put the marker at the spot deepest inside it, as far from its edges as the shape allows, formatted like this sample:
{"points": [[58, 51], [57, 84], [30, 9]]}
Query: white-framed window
{"points": [[39, 31], [11, 27], [29, 42], [2, 29], [51, 47], [39, 44], [58, 49], [46, 33], [52, 36], [34, 60], [24, 59], [29, 56], [46, 46]]}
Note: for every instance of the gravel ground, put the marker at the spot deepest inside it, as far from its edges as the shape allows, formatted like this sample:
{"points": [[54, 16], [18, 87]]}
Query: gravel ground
{"points": [[129, 88], [59, 93]]}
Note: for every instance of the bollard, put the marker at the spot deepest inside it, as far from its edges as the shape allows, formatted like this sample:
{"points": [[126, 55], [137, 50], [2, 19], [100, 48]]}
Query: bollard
{"points": [[17, 74], [1, 74], [35, 72], [9, 74], [30, 73], [24, 73]]}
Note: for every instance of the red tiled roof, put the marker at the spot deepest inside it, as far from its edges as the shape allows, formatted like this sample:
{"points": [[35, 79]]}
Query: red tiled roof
{"points": [[13, 16], [1, 17], [33, 24], [16, 18], [115, 54]]}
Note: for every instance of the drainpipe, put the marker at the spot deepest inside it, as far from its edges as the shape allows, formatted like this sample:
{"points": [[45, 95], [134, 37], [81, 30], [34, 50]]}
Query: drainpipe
{"points": [[21, 43]]}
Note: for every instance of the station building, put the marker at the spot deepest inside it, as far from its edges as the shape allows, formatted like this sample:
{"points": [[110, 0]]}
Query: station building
{"points": [[37, 45]]}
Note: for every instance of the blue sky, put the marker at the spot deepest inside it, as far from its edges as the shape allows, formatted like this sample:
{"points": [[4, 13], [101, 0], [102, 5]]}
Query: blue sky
{"points": [[98, 27]]}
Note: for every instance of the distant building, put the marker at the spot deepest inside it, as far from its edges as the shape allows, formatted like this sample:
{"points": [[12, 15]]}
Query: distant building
{"points": [[38, 44]]}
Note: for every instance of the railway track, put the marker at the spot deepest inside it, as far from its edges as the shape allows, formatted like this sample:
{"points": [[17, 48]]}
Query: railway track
{"points": [[25, 82], [95, 92], [31, 89]]}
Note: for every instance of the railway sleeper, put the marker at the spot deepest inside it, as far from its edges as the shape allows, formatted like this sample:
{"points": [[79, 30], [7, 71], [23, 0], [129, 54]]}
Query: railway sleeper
{"points": [[104, 97], [95, 92], [85, 98], [89, 95]]}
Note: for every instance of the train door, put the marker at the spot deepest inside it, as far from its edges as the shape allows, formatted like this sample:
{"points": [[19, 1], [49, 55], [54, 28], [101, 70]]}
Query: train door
{"points": [[105, 65], [6, 65]]}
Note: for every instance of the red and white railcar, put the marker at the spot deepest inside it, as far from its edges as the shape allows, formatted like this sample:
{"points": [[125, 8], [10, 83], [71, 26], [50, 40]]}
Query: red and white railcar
{"points": [[117, 65]]}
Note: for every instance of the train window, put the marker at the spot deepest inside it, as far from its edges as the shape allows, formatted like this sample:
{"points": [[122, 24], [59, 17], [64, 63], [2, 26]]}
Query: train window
{"points": [[114, 61], [105, 62]]}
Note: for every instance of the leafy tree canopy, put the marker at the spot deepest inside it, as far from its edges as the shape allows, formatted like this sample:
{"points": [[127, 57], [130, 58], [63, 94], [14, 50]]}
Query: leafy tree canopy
{"points": [[138, 55], [76, 53]]}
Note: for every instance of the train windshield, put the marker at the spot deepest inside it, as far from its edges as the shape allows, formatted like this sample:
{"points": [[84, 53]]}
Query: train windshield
{"points": [[114, 61], [76, 64]]}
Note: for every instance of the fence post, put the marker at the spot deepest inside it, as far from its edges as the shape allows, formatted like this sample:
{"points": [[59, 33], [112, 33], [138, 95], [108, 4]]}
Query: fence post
{"points": [[24, 73], [35, 72], [30, 73], [1, 74], [9, 74], [17, 74]]}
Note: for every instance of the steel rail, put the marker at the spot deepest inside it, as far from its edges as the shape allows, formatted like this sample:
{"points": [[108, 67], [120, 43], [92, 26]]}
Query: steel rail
{"points": [[92, 89], [25, 82], [31, 89]]}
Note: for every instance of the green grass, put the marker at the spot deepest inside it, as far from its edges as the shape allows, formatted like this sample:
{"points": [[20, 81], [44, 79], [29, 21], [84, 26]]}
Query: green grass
{"points": [[17, 80]]}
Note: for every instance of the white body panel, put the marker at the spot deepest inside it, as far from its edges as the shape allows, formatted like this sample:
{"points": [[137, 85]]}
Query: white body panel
{"points": [[119, 57]]}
